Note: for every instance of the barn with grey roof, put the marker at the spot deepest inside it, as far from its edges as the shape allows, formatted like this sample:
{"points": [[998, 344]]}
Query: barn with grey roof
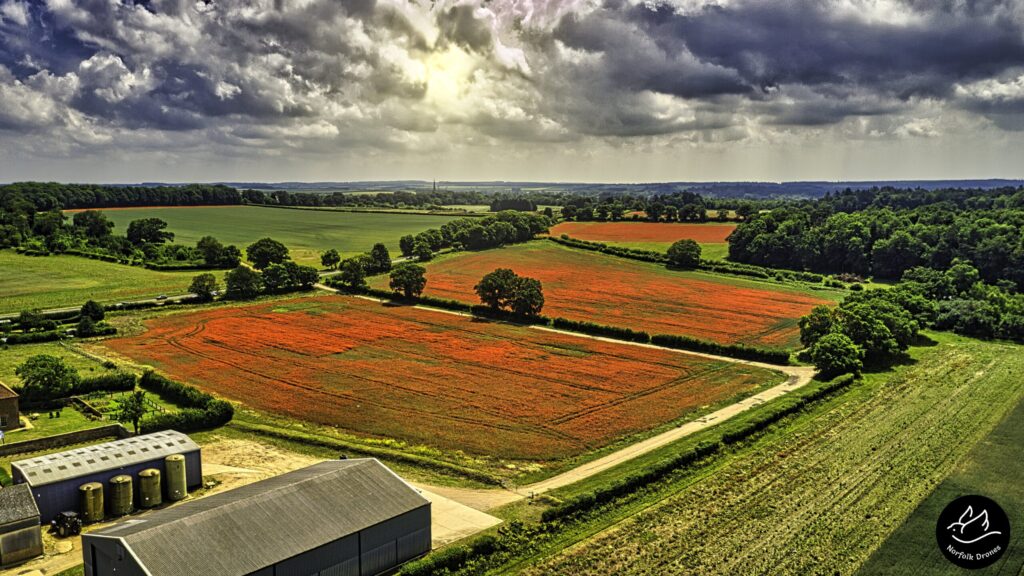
{"points": [[335, 518], [20, 535], [55, 478]]}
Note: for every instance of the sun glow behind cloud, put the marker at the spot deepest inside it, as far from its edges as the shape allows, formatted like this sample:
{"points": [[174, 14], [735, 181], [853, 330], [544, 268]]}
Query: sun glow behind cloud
{"points": [[448, 76]]}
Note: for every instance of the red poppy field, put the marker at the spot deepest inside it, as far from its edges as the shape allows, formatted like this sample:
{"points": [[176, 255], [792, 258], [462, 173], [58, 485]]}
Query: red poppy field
{"points": [[583, 285], [644, 231], [434, 378]]}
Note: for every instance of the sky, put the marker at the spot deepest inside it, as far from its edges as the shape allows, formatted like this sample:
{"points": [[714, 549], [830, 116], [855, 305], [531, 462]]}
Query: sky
{"points": [[573, 90]]}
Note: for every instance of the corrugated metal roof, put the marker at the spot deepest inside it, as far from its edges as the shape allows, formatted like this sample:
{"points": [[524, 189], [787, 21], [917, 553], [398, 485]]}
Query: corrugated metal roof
{"points": [[17, 503], [6, 392], [51, 468], [258, 525]]}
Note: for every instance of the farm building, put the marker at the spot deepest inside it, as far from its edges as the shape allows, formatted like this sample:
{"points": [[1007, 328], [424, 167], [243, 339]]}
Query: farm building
{"points": [[55, 479], [20, 535], [337, 518], [8, 408]]}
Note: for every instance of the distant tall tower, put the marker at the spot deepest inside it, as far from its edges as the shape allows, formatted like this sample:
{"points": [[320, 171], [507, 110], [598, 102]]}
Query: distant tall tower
{"points": [[435, 184]]}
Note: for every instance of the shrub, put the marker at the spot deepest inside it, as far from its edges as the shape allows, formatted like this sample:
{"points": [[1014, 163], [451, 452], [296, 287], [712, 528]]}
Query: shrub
{"points": [[684, 254], [116, 382], [602, 330], [199, 409], [835, 354], [742, 351]]}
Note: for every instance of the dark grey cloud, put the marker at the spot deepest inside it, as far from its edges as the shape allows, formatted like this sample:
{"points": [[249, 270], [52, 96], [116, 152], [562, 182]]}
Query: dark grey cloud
{"points": [[839, 63], [402, 74]]}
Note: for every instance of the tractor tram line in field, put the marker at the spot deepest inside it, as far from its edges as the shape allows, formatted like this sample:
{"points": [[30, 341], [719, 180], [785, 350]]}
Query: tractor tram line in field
{"points": [[797, 377], [176, 342]]}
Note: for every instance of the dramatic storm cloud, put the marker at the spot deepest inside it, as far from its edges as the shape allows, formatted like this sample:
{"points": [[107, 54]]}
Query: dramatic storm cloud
{"points": [[517, 89]]}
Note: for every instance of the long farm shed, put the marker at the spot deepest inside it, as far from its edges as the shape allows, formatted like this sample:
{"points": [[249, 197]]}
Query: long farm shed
{"points": [[55, 479], [335, 518]]}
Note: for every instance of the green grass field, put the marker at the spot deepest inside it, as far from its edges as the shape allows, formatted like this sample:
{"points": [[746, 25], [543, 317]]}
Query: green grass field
{"points": [[70, 419], [708, 250], [307, 233], [820, 492], [13, 356], [994, 468], [57, 281]]}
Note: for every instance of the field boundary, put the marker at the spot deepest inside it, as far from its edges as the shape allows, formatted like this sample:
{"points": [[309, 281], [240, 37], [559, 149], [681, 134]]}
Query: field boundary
{"points": [[677, 342], [66, 439], [372, 211]]}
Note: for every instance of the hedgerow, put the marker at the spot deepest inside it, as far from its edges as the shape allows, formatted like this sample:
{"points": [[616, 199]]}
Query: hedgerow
{"points": [[116, 382], [602, 330], [52, 335], [199, 409], [741, 351]]}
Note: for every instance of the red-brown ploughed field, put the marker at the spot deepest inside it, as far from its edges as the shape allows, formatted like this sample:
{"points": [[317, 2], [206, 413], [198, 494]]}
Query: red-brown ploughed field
{"points": [[644, 231], [434, 378], [589, 286]]}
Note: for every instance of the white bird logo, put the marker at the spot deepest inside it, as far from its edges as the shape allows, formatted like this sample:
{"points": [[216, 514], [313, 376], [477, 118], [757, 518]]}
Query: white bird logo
{"points": [[977, 523]]}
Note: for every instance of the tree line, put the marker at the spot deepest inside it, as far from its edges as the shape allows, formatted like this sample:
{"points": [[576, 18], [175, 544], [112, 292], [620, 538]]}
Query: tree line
{"points": [[876, 327], [90, 233], [885, 232], [507, 227]]}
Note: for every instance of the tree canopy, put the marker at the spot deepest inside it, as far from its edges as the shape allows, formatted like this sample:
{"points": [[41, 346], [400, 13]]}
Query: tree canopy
{"points": [[408, 279], [266, 251]]}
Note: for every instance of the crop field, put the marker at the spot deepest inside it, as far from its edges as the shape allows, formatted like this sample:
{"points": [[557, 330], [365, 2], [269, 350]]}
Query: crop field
{"points": [[993, 468], [56, 281], [651, 236], [432, 377], [584, 285], [820, 494], [307, 233]]}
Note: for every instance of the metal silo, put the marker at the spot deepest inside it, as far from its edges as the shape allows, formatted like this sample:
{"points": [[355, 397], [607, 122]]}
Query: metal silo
{"points": [[176, 483], [92, 501], [149, 488], [120, 495]]}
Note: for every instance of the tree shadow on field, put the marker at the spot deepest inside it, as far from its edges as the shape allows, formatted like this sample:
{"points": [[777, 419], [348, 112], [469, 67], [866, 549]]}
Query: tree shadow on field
{"points": [[924, 341], [887, 364]]}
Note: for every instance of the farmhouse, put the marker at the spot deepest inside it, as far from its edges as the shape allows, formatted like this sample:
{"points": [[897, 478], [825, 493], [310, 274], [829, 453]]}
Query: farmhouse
{"points": [[8, 408], [20, 534], [56, 480], [337, 518]]}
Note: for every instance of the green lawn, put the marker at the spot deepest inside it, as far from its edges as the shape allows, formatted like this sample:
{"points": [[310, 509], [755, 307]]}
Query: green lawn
{"points": [[13, 356], [70, 420], [305, 232], [57, 281]]}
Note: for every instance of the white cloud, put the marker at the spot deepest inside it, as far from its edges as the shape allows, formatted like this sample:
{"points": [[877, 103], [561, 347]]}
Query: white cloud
{"points": [[14, 11]]}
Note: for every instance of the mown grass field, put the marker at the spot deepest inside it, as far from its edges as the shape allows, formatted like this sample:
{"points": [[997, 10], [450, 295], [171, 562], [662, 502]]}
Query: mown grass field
{"points": [[13, 356], [434, 378], [994, 468], [307, 233], [28, 282], [819, 493], [584, 285]]}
